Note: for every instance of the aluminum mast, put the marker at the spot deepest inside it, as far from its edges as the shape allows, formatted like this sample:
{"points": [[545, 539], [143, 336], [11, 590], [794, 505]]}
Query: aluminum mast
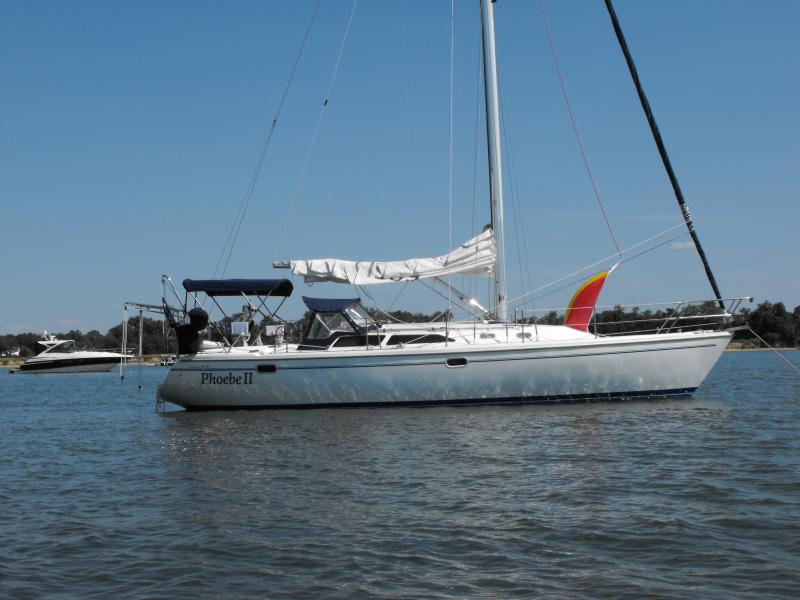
{"points": [[495, 158]]}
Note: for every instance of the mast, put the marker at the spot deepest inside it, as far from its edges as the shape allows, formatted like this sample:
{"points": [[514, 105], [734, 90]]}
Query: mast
{"points": [[662, 151], [495, 158]]}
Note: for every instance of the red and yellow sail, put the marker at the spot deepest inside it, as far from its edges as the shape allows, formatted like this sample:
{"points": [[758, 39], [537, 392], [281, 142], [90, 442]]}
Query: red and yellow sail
{"points": [[581, 307]]}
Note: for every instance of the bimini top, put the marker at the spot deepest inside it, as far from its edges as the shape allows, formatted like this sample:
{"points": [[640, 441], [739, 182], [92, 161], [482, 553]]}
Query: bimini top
{"points": [[329, 304], [235, 287]]}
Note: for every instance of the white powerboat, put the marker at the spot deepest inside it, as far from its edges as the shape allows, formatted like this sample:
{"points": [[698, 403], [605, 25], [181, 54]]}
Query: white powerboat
{"points": [[65, 356], [345, 357]]}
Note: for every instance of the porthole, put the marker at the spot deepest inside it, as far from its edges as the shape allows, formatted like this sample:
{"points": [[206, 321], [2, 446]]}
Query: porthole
{"points": [[456, 362]]}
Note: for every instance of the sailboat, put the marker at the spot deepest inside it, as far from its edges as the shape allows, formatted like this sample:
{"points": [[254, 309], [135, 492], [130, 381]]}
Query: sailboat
{"points": [[346, 357]]}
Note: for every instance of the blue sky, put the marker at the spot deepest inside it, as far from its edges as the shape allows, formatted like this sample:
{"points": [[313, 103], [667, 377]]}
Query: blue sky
{"points": [[129, 132]]}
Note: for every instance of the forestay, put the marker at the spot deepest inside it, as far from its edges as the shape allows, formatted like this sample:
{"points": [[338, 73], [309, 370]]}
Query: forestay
{"points": [[475, 257]]}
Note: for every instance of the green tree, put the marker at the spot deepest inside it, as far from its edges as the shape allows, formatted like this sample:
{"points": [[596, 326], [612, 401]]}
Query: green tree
{"points": [[796, 319], [774, 324]]}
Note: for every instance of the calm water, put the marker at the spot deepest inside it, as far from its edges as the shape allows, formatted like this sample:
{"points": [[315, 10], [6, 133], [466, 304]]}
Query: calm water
{"points": [[100, 496]]}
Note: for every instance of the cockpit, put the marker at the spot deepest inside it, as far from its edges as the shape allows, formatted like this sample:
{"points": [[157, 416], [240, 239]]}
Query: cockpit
{"points": [[340, 323]]}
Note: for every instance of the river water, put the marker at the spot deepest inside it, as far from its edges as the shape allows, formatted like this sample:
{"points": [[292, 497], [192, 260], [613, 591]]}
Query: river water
{"points": [[100, 496]]}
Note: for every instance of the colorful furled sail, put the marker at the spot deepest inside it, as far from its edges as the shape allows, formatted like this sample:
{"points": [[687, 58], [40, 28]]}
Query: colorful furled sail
{"points": [[581, 307]]}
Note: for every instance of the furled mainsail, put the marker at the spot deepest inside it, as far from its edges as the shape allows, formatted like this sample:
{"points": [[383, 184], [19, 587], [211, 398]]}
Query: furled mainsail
{"points": [[474, 257]]}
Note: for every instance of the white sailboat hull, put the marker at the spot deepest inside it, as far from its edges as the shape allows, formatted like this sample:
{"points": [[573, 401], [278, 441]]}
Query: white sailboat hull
{"points": [[632, 366]]}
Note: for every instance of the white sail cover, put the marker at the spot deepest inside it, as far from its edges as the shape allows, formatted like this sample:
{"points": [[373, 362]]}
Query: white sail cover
{"points": [[474, 257]]}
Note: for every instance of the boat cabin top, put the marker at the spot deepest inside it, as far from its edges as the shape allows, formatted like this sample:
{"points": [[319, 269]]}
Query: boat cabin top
{"points": [[343, 322], [64, 346]]}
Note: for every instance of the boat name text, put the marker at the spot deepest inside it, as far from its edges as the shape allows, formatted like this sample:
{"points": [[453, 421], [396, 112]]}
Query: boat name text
{"points": [[227, 379]]}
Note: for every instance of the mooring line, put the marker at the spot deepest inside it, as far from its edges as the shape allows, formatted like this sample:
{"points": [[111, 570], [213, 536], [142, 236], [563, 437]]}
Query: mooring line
{"points": [[783, 358]]}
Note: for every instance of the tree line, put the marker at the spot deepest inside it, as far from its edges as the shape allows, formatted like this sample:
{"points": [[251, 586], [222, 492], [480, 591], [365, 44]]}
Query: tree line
{"points": [[771, 321], [156, 339]]}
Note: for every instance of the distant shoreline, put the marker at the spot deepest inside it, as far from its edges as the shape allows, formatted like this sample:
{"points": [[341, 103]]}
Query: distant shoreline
{"points": [[15, 363]]}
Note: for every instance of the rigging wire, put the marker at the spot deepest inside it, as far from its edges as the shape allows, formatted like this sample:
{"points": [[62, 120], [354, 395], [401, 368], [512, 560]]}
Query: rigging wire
{"points": [[516, 209], [608, 258], [406, 102], [236, 226], [662, 151], [626, 259], [781, 356], [402, 289], [322, 113], [473, 287], [439, 293], [363, 289], [575, 128], [450, 150]]}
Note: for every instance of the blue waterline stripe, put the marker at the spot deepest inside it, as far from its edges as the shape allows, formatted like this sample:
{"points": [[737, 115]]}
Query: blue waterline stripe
{"points": [[281, 367], [554, 399]]}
